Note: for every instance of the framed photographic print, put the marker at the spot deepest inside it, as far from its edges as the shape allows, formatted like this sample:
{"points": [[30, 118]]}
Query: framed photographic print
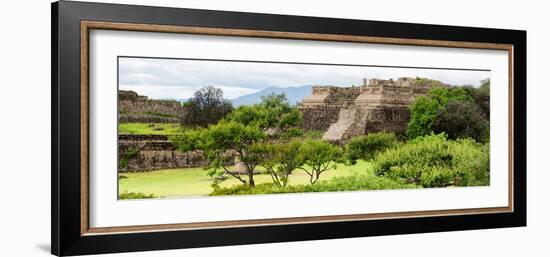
{"points": [[178, 128]]}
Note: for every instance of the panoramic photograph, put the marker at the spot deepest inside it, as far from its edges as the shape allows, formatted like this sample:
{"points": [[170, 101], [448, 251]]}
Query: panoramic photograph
{"points": [[207, 128]]}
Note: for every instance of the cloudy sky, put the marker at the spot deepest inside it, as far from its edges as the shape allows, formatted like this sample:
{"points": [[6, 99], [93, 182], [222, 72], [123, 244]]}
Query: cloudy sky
{"points": [[179, 79]]}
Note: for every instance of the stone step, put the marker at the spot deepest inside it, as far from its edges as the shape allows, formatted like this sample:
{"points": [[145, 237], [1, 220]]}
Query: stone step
{"points": [[337, 131]]}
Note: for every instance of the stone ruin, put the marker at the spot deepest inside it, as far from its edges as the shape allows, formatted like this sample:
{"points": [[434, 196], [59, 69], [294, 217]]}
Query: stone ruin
{"points": [[379, 105], [153, 152], [137, 108]]}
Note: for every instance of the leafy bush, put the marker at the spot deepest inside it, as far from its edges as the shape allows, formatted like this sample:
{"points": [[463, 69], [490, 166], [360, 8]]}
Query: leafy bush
{"points": [[273, 115], [366, 147], [350, 183], [424, 110], [434, 161], [296, 132], [356, 183], [461, 120], [313, 134], [460, 112], [187, 140], [134, 195], [482, 97]]}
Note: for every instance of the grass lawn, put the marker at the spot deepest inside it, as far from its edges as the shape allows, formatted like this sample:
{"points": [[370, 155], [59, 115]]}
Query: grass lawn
{"points": [[149, 128], [195, 181]]}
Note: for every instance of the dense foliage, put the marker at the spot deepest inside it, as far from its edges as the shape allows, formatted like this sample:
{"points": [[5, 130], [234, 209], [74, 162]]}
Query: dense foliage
{"points": [[424, 110], [207, 107], [133, 195], [435, 161], [461, 120], [273, 115], [366, 147], [350, 183], [460, 112], [481, 97]]}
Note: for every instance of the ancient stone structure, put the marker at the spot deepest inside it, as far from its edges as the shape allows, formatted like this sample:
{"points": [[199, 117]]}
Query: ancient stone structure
{"points": [[136, 108], [379, 105], [321, 108], [138, 153]]}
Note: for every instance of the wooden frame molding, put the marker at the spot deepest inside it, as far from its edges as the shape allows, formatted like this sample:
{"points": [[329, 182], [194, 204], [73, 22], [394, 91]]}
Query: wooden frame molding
{"points": [[87, 26]]}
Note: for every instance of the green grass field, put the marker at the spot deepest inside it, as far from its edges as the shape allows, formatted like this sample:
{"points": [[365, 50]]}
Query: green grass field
{"points": [[195, 181], [149, 128]]}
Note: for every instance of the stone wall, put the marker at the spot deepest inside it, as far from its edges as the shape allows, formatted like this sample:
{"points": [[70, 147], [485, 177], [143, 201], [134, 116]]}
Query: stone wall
{"points": [[135, 108], [319, 118], [393, 119], [138, 153]]}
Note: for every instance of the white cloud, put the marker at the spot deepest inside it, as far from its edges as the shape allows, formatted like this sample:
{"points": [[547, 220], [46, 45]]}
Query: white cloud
{"points": [[183, 92], [179, 79]]}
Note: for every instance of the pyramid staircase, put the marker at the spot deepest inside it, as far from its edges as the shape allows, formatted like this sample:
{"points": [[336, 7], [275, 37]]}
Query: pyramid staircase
{"points": [[351, 122]]}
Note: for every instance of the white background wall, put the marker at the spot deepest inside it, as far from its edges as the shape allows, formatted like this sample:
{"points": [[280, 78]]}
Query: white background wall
{"points": [[25, 127]]}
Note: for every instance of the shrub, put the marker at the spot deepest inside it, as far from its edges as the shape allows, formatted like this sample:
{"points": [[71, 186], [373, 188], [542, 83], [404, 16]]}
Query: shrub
{"points": [[187, 140], [356, 183], [424, 110], [350, 183], [273, 115], [134, 195], [481, 97], [365, 147], [434, 161], [296, 132], [461, 120], [459, 112]]}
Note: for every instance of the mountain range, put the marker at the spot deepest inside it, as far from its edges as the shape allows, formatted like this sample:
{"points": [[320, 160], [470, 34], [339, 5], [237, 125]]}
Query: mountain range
{"points": [[293, 94]]}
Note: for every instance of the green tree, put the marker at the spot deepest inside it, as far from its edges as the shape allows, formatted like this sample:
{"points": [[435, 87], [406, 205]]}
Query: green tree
{"points": [[481, 96], [246, 133], [221, 142], [288, 157], [365, 147], [273, 115], [425, 109], [319, 156], [265, 154], [280, 159], [461, 120], [188, 140], [206, 107], [224, 137]]}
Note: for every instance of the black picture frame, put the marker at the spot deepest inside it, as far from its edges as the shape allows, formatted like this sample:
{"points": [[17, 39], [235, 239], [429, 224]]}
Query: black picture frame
{"points": [[66, 236]]}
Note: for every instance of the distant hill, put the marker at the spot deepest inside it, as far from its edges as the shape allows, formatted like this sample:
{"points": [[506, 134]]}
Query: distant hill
{"points": [[293, 94]]}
